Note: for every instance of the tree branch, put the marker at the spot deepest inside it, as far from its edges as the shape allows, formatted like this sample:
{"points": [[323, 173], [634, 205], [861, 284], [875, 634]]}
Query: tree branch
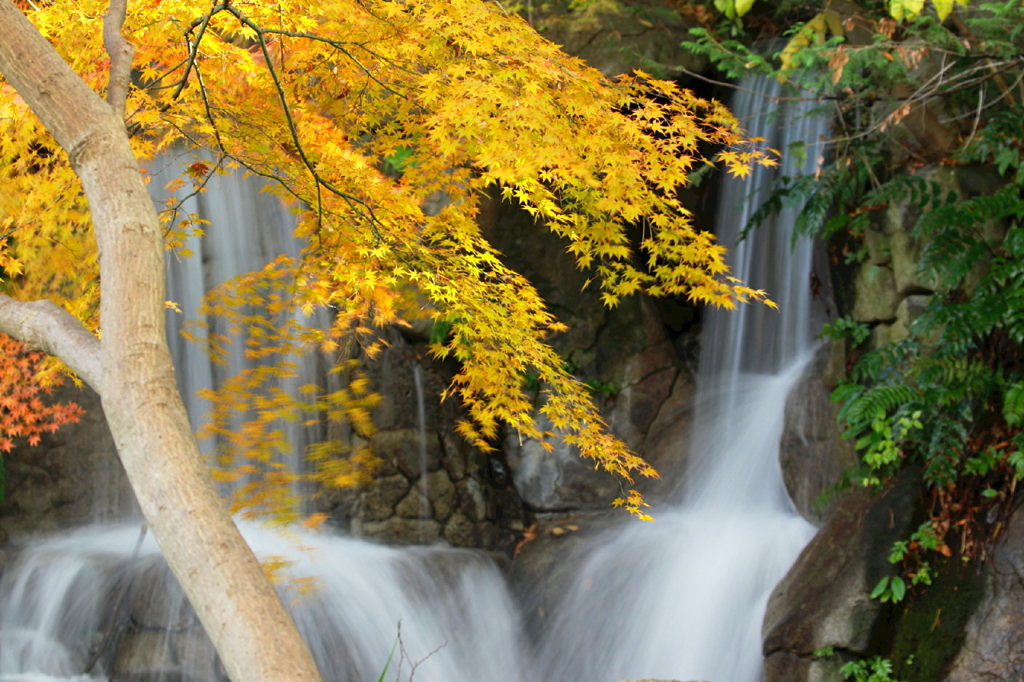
{"points": [[68, 107], [121, 53], [42, 325]]}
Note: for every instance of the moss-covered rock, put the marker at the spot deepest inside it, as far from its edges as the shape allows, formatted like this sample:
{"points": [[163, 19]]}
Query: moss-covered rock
{"points": [[930, 628]]}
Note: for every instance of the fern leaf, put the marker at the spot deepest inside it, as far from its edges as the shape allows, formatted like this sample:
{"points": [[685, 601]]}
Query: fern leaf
{"points": [[1013, 404]]}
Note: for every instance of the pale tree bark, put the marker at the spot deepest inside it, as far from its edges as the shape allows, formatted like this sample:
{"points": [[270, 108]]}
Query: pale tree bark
{"points": [[131, 366]]}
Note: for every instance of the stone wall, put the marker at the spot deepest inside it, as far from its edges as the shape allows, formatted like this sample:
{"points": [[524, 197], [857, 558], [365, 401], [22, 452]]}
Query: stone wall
{"points": [[431, 484]]}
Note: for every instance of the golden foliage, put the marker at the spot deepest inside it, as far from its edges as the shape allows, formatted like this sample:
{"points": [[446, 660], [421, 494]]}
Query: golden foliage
{"points": [[455, 97]]}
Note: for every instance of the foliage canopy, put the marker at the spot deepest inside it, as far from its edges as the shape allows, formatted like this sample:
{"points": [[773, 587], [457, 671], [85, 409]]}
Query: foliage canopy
{"points": [[362, 111]]}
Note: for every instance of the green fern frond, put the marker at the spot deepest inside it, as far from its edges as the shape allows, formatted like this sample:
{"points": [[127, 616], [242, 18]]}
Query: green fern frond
{"points": [[879, 399], [1013, 404]]}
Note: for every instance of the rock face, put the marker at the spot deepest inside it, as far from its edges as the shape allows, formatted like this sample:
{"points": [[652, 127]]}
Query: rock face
{"points": [[824, 599], [159, 635], [624, 352], [71, 478], [813, 453], [617, 38], [993, 648]]}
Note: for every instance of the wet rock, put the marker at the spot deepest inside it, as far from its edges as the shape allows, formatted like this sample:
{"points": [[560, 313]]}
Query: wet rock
{"points": [[666, 446], [146, 652], [784, 664], [472, 502], [195, 648], [558, 478], [488, 533], [151, 676], [993, 648], [378, 500], [73, 477], [648, 383], [812, 451], [546, 565], [414, 505], [906, 252], [824, 598], [157, 601], [930, 627], [911, 308], [460, 458]]}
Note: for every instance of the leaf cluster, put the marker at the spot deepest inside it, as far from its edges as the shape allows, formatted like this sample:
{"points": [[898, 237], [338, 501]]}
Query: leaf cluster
{"points": [[25, 380], [381, 124]]}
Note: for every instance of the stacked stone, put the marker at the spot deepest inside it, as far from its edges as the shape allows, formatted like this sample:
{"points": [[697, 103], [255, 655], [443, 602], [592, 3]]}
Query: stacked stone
{"points": [[459, 506], [889, 289]]}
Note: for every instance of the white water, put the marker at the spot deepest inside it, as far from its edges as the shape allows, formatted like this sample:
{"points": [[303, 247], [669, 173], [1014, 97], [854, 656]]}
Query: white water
{"points": [[679, 598], [444, 600], [684, 597]]}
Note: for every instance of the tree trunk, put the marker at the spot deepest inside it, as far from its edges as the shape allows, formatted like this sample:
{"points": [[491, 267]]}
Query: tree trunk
{"points": [[254, 635]]}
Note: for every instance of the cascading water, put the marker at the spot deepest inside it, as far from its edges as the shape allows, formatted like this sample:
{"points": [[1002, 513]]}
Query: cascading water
{"points": [[683, 597], [455, 616], [680, 598], [247, 228]]}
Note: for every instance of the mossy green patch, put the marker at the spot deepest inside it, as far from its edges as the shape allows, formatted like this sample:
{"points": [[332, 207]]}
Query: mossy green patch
{"points": [[930, 629]]}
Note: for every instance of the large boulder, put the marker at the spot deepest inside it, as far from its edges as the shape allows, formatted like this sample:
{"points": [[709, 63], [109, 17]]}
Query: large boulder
{"points": [[993, 648], [824, 599], [547, 562], [666, 446], [812, 451], [875, 296], [550, 474]]}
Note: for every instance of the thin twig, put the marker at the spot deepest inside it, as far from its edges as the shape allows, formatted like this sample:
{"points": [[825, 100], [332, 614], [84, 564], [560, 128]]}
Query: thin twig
{"points": [[740, 88], [193, 51]]}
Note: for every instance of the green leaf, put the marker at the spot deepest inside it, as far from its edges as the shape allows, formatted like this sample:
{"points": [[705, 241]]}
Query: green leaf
{"points": [[726, 7], [391, 655], [880, 588], [1013, 404], [899, 589]]}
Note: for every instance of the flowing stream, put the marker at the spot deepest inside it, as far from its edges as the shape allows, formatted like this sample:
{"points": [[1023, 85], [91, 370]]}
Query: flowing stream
{"points": [[680, 598]]}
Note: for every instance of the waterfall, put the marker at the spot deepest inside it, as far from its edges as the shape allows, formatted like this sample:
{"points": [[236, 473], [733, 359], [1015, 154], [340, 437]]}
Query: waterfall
{"points": [[683, 597], [680, 598], [246, 227], [445, 610]]}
